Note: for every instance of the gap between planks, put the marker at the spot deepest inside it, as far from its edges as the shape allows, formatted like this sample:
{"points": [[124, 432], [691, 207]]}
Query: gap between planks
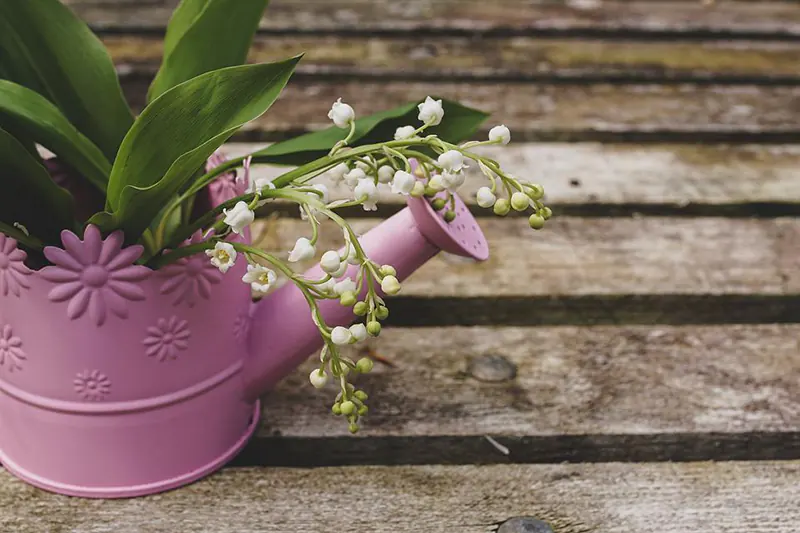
{"points": [[757, 497]]}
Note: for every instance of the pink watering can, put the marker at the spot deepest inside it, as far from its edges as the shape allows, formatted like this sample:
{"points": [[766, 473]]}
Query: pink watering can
{"points": [[117, 381]]}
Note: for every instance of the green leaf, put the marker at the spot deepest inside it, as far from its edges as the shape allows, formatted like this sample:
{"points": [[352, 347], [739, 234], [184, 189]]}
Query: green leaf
{"points": [[177, 132], [29, 196], [459, 123], [48, 49], [206, 35], [29, 115]]}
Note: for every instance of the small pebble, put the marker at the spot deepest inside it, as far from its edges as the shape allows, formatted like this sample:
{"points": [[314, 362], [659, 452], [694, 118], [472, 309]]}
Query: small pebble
{"points": [[492, 368], [524, 524]]}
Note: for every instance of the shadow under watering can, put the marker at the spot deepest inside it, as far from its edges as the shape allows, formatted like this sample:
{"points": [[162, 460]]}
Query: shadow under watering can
{"points": [[118, 381]]}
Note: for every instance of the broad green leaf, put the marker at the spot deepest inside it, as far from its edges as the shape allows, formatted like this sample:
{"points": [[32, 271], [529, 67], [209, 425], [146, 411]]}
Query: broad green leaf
{"points": [[177, 132], [206, 35], [459, 123], [48, 49], [29, 196], [29, 115]]}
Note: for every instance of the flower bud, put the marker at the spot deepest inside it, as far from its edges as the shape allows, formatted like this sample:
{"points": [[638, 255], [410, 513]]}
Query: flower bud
{"points": [[385, 174], [239, 217], [359, 332], [449, 216], [435, 183], [336, 409], [330, 262], [338, 172], [438, 204], [364, 365], [387, 270], [341, 114], [451, 160], [390, 285], [404, 132], [348, 299], [353, 428], [319, 378], [360, 308], [374, 328], [347, 407], [546, 213], [303, 249], [501, 207], [403, 183], [486, 197], [536, 221], [500, 134], [520, 201], [419, 190], [535, 191], [341, 335], [361, 395], [431, 111], [382, 312], [363, 410]]}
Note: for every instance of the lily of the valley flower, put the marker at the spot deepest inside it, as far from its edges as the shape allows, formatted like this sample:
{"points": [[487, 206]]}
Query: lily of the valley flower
{"points": [[259, 184], [341, 335], [520, 201], [259, 277], [403, 183], [352, 256], [323, 192], [239, 217], [453, 180], [353, 177], [404, 132], [431, 111], [223, 256], [500, 134], [436, 183], [486, 197], [330, 262], [341, 114], [343, 286], [390, 285], [338, 172], [303, 250], [319, 378], [385, 174], [358, 331], [451, 160], [366, 192]]}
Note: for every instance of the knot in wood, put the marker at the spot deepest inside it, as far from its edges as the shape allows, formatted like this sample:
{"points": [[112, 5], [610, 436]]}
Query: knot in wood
{"points": [[492, 368]]}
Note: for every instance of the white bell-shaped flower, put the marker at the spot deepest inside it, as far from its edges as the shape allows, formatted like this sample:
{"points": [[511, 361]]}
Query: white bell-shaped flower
{"points": [[453, 180], [403, 183], [431, 111], [259, 277], [341, 114], [500, 134], [338, 172], [385, 174], [239, 217], [330, 262], [343, 286], [323, 193], [341, 335], [354, 176], [223, 256], [365, 190], [302, 251], [358, 331], [486, 197], [404, 132], [318, 378], [451, 160], [390, 285], [436, 183]]}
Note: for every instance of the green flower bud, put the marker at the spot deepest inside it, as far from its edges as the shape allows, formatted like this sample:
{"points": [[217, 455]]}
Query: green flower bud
{"points": [[387, 270], [363, 410], [419, 190], [348, 299], [336, 409], [536, 221], [374, 328], [364, 365], [353, 427], [382, 312], [449, 216], [361, 308], [546, 213], [520, 201], [347, 408], [430, 191], [501, 207], [361, 395], [535, 191], [350, 388], [438, 204]]}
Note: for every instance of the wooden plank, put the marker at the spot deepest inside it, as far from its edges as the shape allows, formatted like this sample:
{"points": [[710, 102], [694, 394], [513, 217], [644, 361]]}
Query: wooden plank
{"points": [[771, 19], [511, 58], [609, 498], [600, 256], [547, 111], [589, 179]]}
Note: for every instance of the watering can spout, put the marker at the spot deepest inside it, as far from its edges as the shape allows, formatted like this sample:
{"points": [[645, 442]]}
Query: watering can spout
{"points": [[283, 334]]}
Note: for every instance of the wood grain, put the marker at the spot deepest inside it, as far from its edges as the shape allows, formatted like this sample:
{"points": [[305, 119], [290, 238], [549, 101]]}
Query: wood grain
{"points": [[608, 179], [756, 497], [546, 111], [604, 380], [597, 256], [723, 18], [509, 58]]}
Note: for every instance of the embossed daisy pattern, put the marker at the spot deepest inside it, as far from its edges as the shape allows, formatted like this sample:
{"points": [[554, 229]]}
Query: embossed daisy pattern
{"points": [[95, 275], [190, 278], [92, 385], [11, 353], [12, 267], [225, 186], [167, 339]]}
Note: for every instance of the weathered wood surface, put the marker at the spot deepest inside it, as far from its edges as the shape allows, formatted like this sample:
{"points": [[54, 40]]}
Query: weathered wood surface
{"points": [[753, 497], [588, 178], [767, 19], [511, 58], [581, 256], [547, 111]]}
